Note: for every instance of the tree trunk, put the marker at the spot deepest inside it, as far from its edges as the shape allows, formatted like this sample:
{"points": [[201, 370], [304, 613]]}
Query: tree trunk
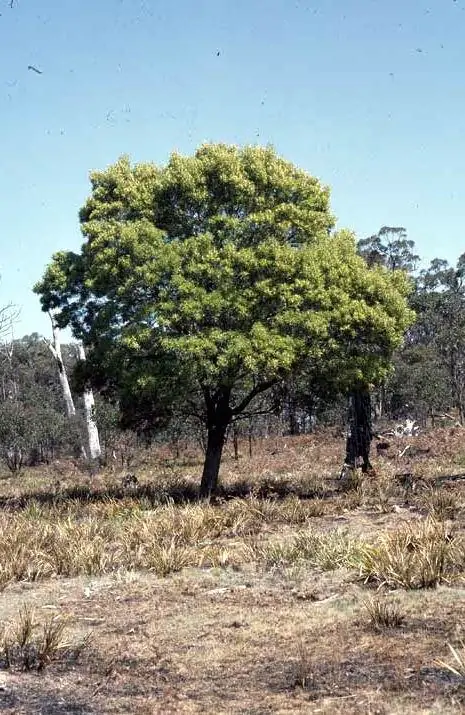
{"points": [[380, 407], [211, 467], [89, 411], [55, 349], [461, 413], [360, 429], [236, 443], [219, 415], [250, 436], [292, 418]]}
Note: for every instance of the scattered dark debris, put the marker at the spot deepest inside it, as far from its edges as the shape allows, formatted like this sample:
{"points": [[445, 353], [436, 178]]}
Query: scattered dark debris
{"points": [[130, 480], [380, 446]]}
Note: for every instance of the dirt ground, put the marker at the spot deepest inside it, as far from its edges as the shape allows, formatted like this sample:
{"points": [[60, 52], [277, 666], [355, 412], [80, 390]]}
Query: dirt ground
{"points": [[252, 640]]}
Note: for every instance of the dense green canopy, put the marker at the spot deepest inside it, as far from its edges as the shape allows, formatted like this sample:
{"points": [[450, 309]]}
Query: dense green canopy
{"points": [[220, 274]]}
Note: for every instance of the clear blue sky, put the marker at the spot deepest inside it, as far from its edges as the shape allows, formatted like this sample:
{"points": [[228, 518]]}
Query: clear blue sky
{"points": [[368, 95]]}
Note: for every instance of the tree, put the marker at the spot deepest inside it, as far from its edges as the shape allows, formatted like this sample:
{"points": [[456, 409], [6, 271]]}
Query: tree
{"points": [[419, 385], [9, 314], [93, 441], [210, 280], [93, 445], [440, 305], [33, 427], [55, 348], [391, 248]]}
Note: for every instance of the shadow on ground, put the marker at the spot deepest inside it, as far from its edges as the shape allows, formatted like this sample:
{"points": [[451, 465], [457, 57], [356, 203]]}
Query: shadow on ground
{"points": [[179, 492]]}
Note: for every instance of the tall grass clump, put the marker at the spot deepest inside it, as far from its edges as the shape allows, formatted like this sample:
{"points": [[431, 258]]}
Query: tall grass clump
{"points": [[27, 644], [420, 555], [383, 614], [323, 550]]}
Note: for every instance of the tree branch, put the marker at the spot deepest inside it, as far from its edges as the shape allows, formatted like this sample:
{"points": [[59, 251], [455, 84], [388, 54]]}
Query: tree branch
{"points": [[9, 314], [261, 387], [246, 415]]}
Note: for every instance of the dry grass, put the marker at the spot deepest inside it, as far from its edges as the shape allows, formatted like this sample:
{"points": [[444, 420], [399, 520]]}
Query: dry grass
{"points": [[28, 644], [258, 602], [440, 504], [322, 550], [43, 542], [457, 666], [383, 614], [419, 555]]}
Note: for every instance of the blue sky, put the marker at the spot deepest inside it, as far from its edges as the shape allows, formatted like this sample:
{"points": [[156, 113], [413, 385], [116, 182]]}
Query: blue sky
{"points": [[368, 95]]}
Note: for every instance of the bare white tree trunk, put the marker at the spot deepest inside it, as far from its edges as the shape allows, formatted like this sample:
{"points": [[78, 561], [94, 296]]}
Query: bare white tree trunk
{"points": [[89, 410], [55, 349]]}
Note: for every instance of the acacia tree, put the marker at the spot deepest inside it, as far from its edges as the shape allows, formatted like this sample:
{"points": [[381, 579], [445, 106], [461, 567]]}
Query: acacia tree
{"points": [[213, 278]]}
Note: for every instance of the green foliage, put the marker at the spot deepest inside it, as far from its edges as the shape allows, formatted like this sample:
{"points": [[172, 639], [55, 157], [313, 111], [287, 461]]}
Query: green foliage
{"points": [[28, 374], [419, 384], [216, 277], [33, 433], [33, 426], [422, 380], [439, 301]]}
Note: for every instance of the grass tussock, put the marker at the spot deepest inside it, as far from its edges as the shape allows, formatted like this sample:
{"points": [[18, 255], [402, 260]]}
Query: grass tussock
{"points": [[323, 550], [440, 504], [421, 555], [303, 674], [71, 539], [383, 614], [27, 644]]}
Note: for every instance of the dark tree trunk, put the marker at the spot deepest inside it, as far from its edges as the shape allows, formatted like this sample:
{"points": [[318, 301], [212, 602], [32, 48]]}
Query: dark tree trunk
{"points": [[219, 416], [250, 437], [292, 418], [211, 466], [360, 429], [236, 443]]}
